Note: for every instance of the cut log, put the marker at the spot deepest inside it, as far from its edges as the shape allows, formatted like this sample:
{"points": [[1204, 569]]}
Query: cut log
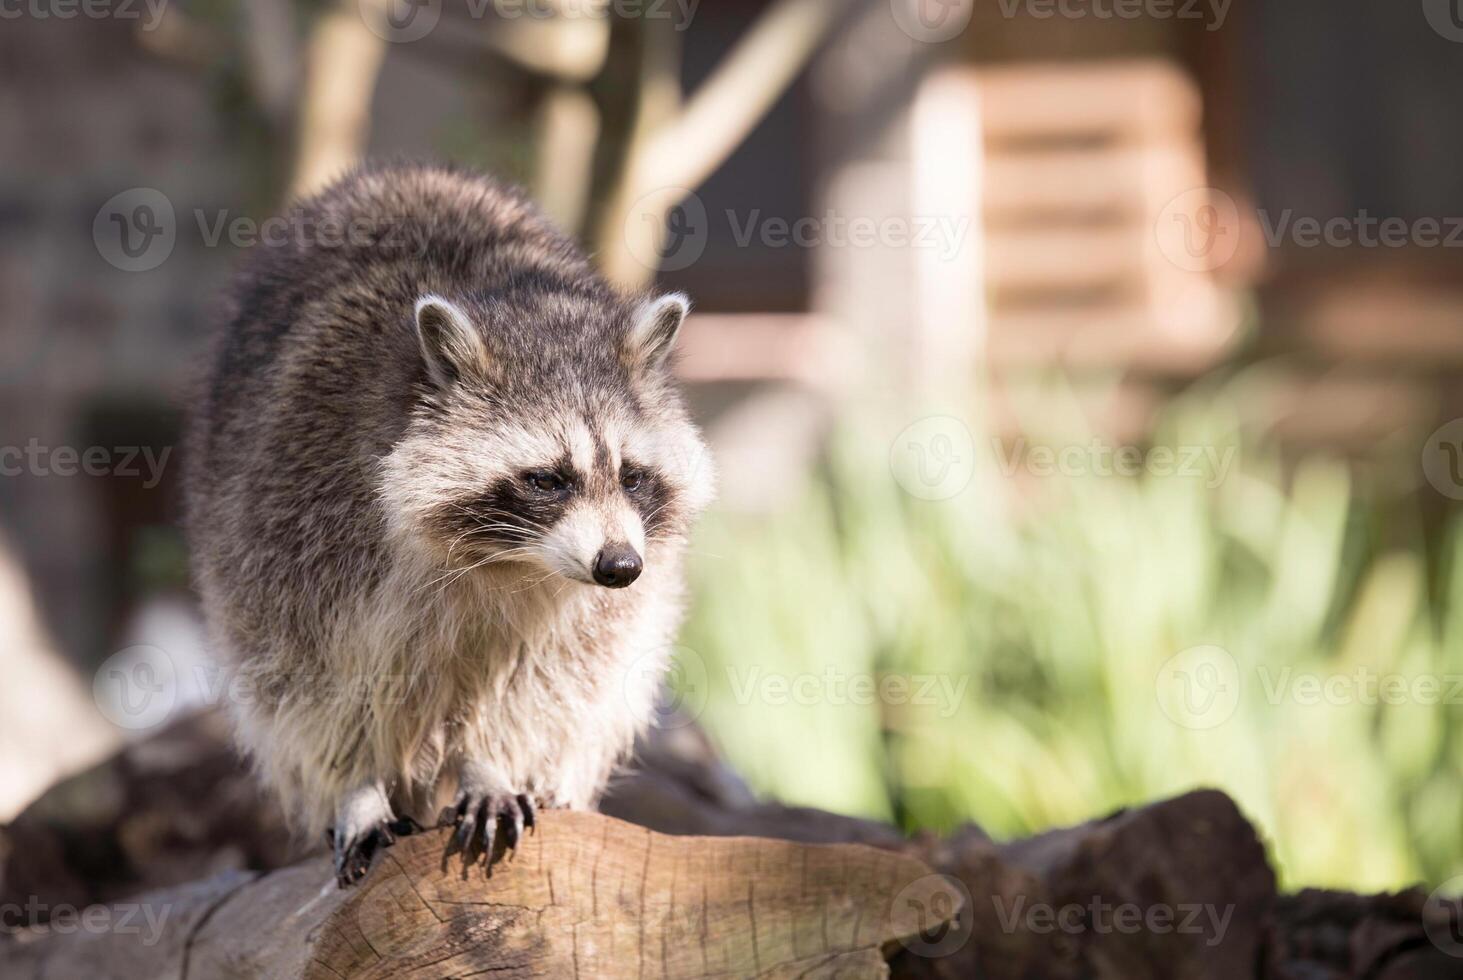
{"points": [[583, 895]]}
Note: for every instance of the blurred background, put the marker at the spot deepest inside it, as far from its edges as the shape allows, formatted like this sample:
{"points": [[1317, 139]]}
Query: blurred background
{"points": [[1082, 373]]}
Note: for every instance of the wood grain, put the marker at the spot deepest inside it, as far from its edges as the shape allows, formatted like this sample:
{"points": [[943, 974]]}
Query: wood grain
{"points": [[585, 895]]}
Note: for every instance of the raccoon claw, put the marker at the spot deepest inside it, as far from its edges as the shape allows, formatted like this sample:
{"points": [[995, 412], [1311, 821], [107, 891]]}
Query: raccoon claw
{"points": [[353, 854], [477, 816], [364, 825]]}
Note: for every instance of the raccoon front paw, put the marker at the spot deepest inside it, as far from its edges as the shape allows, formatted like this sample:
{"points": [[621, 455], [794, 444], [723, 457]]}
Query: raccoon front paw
{"points": [[364, 825], [476, 814]]}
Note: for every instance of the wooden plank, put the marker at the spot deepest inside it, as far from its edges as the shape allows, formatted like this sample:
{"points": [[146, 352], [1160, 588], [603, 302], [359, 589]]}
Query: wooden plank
{"points": [[1397, 323], [1067, 258], [1065, 184], [1123, 101], [1139, 337], [1108, 258]]}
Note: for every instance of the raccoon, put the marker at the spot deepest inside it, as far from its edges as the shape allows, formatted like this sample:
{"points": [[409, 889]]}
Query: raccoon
{"points": [[439, 488]]}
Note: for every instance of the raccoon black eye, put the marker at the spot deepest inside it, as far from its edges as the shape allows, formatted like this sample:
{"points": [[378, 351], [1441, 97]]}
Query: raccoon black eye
{"points": [[545, 481], [631, 479]]}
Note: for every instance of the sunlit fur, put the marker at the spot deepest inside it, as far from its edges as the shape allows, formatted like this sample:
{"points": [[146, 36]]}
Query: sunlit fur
{"points": [[388, 619]]}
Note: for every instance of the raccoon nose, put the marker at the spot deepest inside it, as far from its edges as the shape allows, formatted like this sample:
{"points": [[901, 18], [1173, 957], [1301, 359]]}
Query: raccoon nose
{"points": [[616, 566]]}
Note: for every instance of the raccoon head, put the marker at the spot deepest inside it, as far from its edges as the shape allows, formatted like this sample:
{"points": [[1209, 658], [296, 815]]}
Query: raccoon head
{"points": [[549, 433]]}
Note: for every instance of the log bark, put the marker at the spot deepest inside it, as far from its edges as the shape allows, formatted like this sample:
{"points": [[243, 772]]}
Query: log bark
{"points": [[175, 808]]}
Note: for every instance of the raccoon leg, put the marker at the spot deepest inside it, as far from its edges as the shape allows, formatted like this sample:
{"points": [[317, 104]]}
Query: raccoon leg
{"points": [[481, 803], [364, 824]]}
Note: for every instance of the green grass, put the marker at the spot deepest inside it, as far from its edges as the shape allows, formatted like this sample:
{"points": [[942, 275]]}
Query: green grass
{"points": [[1047, 608]]}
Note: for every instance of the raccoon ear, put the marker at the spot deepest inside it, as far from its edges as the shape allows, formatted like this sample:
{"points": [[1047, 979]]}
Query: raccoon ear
{"points": [[451, 346], [654, 328]]}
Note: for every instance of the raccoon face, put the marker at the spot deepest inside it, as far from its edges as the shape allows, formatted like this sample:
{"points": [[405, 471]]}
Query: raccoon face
{"points": [[550, 435]]}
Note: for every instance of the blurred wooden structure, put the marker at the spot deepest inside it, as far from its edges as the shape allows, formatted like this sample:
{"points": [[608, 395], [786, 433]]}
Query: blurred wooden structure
{"points": [[1082, 164], [1086, 233], [1285, 126]]}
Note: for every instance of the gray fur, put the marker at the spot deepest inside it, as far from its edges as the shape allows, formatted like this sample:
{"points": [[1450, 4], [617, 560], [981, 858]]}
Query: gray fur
{"points": [[370, 557]]}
